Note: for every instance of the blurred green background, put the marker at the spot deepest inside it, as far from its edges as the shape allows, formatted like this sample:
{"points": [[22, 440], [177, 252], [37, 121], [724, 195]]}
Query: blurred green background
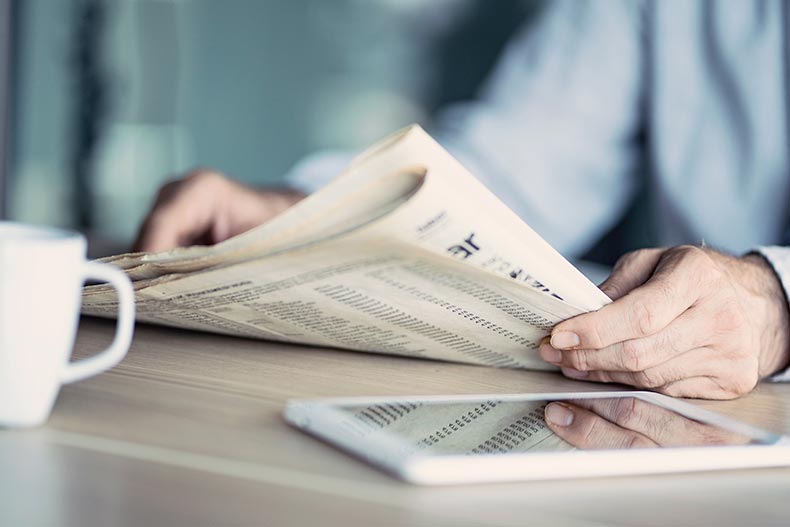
{"points": [[110, 98]]}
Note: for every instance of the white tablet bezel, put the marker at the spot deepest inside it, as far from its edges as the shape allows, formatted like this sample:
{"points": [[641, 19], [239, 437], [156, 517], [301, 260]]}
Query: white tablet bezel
{"points": [[320, 417]]}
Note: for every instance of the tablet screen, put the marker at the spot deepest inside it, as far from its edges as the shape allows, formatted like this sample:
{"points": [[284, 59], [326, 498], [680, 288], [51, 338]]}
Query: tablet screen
{"points": [[492, 426], [457, 439]]}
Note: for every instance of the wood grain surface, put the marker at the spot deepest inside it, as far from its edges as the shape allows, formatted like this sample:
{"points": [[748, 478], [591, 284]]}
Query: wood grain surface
{"points": [[187, 430]]}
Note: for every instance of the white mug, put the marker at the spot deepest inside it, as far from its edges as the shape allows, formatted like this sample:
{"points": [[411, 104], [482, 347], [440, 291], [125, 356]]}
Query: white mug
{"points": [[41, 275]]}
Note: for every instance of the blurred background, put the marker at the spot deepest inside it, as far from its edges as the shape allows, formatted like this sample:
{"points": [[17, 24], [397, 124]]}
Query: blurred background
{"points": [[104, 100]]}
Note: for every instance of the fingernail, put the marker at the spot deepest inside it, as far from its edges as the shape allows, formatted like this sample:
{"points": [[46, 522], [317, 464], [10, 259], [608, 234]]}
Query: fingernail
{"points": [[575, 374], [559, 415], [550, 354], [564, 340]]}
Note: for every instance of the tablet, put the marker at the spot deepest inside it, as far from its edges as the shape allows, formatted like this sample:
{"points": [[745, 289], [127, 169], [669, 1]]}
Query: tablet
{"points": [[486, 438]]}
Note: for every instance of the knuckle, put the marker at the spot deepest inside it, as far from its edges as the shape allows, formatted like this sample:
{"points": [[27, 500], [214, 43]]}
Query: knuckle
{"points": [[591, 432], [637, 441], [577, 359], [626, 413], [634, 259], [703, 269], [691, 253], [627, 258], [687, 256], [612, 288], [649, 379], [203, 174], [675, 254], [632, 355], [746, 380], [591, 335], [570, 359], [198, 178], [644, 319], [205, 180], [739, 379], [729, 316], [675, 389], [196, 184]]}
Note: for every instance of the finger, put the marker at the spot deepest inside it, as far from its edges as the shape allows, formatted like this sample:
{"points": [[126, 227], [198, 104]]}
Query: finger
{"points": [[692, 329], [671, 290], [166, 229], [651, 378], [727, 376], [631, 271], [143, 241], [585, 429], [665, 427], [181, 215], [157, 236], [707, 387]]}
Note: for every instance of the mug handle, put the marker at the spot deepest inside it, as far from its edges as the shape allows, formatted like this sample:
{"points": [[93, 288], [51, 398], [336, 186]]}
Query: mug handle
{"points": [[124, 328]]}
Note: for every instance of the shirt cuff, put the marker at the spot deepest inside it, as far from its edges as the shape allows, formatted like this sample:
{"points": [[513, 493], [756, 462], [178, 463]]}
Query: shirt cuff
{"points": [[779, 258]]}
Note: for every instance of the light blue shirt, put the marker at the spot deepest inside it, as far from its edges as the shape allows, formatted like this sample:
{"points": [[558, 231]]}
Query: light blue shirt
{"points": [[582, 102]]}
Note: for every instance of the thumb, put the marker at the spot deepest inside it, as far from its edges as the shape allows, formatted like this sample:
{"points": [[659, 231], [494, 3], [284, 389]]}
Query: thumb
{"points": [[631, 270]]}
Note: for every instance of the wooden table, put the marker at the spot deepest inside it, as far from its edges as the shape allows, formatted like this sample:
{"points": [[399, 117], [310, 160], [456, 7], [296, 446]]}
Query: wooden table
{"points": [[187, 431]]}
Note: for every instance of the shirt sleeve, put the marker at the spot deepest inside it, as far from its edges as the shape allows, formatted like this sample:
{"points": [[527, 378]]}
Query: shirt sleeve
{"points": [[316, 170], [779, 258], [554, 132]]}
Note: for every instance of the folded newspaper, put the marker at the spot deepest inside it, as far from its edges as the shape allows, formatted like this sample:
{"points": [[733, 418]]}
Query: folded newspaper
{"points": [[404, 253]]}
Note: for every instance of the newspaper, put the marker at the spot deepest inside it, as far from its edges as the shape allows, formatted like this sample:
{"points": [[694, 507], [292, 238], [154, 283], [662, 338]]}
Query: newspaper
{"points": [[404, 253]]}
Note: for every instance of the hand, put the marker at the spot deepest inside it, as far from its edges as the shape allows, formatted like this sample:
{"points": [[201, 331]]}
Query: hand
{"points": [[630, 423], [685, 321], [205, 207]]}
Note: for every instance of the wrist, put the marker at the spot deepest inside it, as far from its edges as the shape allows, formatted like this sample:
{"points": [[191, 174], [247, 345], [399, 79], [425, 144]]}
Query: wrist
{"points": [[770, 314]]}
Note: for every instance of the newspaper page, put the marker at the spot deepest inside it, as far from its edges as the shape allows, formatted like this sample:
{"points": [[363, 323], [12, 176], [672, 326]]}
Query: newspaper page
{"points": [[449, 273], [452, 210], [360, 294]]}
